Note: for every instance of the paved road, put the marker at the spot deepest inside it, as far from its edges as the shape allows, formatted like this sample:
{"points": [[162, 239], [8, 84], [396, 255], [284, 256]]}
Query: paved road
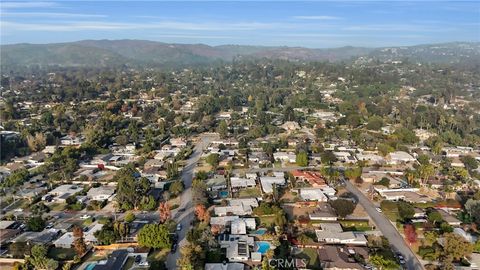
{"points": [[186, 217], [388, 230]]}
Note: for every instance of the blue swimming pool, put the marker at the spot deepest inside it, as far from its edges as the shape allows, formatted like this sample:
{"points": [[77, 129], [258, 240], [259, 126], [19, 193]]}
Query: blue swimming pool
{"points": [[90, 266], [223, 194], [262, 246], [261, 231]]}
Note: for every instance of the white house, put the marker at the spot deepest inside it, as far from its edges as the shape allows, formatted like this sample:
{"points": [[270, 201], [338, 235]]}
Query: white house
{"points": [[332, 233], [312, 194], [101, 193], [268, 182], [285, 157], [400, 157]]}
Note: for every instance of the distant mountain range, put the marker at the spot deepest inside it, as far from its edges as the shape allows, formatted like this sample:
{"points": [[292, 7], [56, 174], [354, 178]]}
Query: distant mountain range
{"points": [[103, 53]]}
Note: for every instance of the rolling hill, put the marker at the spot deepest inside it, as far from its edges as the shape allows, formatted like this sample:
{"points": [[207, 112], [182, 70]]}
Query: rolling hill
{"points": [[104, 53]]}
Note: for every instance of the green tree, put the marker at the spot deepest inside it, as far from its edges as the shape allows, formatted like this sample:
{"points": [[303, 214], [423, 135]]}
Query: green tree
{"points": [[375, 123], [35, 224], [213, 160], [129, 189], [222, 129], [383, 263], [353, 173], [456, 247], [405, 210], [470, 162], [154, 236], [39, 259], [176, 188], [129, 217], [302, 159], [343, 207]]}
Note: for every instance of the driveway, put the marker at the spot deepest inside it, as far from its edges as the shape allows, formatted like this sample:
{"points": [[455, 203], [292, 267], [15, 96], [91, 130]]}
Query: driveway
{"points": [[388, 230]]}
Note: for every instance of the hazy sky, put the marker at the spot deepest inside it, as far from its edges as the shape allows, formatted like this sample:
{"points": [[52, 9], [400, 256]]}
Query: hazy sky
{"points": [[310, 24]]}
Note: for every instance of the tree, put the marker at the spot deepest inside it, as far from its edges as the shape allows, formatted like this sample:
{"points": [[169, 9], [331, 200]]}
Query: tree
{"points": [[302, 159], [353, 173], [176, 188], [164, 212], [343, 207], [383, 263], [213, 160], [130, 190], [375, 123], [470, 162], [202, 213], [222, 129], [154, 236], [425, 171], [105, 236], [35, 224], [473, 208], [405, 210], [199, 192], [37, 142], [456, 247], [79, 243], [129, 217], [410, 233], [39, 259], [435, 217]]}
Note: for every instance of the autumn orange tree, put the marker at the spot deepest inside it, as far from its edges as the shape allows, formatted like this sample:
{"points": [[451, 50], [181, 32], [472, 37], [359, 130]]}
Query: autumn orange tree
{"points": [[164, 211], [79, 243], [202, 213]]}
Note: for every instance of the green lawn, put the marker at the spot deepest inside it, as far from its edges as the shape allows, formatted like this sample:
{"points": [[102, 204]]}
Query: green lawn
{"points": [[352, 225], [61, 254], [158, 255], [57, 206], [311, 256], [267, 220], [249, 192]]}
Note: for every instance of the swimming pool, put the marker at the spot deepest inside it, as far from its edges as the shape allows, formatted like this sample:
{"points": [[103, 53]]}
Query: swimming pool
{"points": [[262, 246], [261, 231], [223, 194], [90, 266]]}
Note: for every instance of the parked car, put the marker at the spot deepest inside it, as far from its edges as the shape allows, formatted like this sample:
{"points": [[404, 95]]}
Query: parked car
{"points": [[379, 210], [145, 263], [85, 216], [179, 227], [174, 248]]}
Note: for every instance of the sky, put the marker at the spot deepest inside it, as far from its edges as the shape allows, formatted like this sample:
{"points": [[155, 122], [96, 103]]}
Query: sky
{"points": [[313, 24]]}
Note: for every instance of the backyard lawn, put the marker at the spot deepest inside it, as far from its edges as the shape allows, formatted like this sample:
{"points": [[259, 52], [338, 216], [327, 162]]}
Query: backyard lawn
{"points": [[355, 225], [61, 254], [249, 192], [311, 257]]}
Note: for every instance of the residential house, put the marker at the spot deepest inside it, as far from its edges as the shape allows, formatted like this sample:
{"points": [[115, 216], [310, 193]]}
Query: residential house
{"points": [[337, 258], [101, 193], [285, 157], [61, 193], [268, 182], [332, 233], [400, 157], [239, 183], [312, 194], [315, 179], [217, 182]]}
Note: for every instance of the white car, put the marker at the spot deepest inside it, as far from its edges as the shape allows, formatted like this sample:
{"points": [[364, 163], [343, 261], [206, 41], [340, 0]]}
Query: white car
{"points": [[144, 264], [379, 210], [85, 217]]}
